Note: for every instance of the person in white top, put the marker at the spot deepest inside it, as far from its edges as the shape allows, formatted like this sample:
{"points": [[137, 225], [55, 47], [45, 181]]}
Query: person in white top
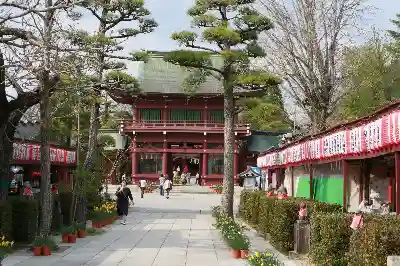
{"points": [[197, 179], [162, 180], [167, 186], [143, 185]]}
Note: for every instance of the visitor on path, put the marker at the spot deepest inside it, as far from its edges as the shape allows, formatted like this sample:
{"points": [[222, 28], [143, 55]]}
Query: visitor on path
{"points": [[162, 180], [178, 169], [183, 179], [198, 179], [167, 186], [143, 185], [123, 196]]}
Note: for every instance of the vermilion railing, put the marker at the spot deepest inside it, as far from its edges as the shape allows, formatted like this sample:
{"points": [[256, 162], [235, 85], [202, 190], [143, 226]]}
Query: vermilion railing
{"points": [[178, 124]]}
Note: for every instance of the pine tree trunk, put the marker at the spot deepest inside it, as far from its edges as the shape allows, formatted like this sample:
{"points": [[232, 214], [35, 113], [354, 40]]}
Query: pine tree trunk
{"points": [[229, 142], [92, 152]]}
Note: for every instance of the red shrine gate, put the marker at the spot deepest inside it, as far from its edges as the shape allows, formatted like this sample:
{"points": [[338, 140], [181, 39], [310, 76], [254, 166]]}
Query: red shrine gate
{"points": [[176, 130]]}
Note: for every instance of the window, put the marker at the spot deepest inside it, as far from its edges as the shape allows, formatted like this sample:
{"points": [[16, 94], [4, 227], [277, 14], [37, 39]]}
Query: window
{"points": [[217, 115], [185, 115], [150, 114]]}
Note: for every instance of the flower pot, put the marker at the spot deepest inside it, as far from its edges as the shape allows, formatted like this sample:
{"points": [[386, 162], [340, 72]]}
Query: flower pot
{"points": [[244, 254], [95, 224], [235, 254], [71, 238], [65, 238], [46, 251], [82, 234], [37, 251]]}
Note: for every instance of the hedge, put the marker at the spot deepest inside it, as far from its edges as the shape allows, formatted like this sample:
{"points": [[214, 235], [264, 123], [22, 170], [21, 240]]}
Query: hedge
{"points": [[375, 241], [330, 238], [276, 218], [25, 216], [6, 220]]}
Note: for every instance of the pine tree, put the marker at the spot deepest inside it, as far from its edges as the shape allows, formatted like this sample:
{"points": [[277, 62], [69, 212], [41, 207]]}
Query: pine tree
{"points": [[233, 28], [118, 21]]}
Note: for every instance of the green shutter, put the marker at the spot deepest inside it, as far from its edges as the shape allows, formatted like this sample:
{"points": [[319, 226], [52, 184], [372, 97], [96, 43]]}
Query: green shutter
{"points": [[217, 115], [193, 115], [150, 114], [178, 115]]}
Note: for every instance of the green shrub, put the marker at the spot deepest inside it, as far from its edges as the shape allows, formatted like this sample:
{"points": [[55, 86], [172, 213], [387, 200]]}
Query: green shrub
{"points": [[372, 244], [330, 237], [266, 210], [25, 217], [276, 218], [244, 210], [6, 220], [282, 222]]}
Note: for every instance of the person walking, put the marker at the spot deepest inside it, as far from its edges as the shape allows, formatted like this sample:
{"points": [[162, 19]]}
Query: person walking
{"points": [[167, 186], [162, 180], [143, 185], [198, 179], [123, 194]]}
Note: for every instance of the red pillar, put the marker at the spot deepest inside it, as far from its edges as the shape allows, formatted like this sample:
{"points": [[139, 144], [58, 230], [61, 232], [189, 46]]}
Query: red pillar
{"points": [[269, 171], [311, 182], [236, 163], [134, 159], [205, 166], [345, 183], [292, 180], [165, 158], [397, 176], [361, 181]]}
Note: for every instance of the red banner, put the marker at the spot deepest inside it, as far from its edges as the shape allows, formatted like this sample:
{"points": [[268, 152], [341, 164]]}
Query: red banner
{"points": [[31, 152], [374, 136]]}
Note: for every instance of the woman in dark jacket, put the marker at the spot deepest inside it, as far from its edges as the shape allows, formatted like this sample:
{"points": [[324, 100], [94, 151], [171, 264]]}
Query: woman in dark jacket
{"points": [[123, 196]]}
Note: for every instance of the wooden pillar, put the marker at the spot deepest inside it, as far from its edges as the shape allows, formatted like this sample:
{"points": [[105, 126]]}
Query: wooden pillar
{"points": [[205, 161], [269, 175], [134, 113], [165, 158], [134, 159], [367, 174], [397, 178], [311, 181], [345, 183], [236, 162], [292, 181], [361, 181]]}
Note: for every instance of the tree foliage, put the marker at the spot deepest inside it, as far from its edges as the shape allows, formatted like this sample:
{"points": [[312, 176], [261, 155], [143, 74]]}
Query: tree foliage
{"points": [[266, 113], [371, 76], [305, 48], [229, 32]]}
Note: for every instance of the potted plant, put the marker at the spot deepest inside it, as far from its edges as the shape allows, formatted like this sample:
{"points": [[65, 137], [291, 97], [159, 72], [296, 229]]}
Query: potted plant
{"points": [[81, 229], [238, 242], [65, 233], [43, 246], [244, 250], [5, 248]]}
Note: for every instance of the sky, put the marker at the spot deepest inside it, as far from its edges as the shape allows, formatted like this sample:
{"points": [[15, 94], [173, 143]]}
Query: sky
{"points": [[172, 17]]}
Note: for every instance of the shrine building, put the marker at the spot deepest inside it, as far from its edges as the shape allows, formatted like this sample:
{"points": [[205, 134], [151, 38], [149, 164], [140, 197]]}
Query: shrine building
{"points": [[171, 127]]}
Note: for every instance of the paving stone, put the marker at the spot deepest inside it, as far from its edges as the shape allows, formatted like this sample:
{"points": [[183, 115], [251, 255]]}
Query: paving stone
{"points": [[159, 232]]}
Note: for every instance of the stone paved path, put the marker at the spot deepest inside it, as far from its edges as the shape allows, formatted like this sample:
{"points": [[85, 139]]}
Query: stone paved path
{"points": [[160, 232]]}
